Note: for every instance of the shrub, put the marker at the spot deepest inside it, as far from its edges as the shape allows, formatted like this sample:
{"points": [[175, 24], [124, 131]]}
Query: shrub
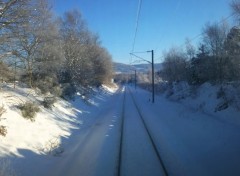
{"points": [[222, 106], [170, 91], [68, 91], [43, 87], [29, 110], [57, 91], [221, 93], [47, 84], [5, 72], [48, 102], [3, 130], [161, 87], [52, 147], [2, 110]]}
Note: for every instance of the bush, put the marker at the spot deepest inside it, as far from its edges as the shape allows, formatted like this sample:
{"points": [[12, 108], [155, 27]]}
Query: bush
{"points": [[42, 86], [56, 91], [54, 147], [47, 84], [221, 93], [222, 106], [68, 91], [48, 102], [5, 72], [3, 130], [2, 110], [29, 110]]}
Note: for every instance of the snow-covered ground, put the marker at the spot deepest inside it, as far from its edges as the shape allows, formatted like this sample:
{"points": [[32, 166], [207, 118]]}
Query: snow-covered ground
{"points": [[194, 139], [191, 137], [31, 146], [207, 99]]}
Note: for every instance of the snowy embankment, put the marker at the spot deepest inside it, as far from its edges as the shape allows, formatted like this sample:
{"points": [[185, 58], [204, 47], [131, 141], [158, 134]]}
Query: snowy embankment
{"points": [[193, 136], [48, 134], [217, 101]]}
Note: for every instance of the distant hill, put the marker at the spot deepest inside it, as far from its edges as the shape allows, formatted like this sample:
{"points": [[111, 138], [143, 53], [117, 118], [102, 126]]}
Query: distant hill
{"points": [[125, 68]]}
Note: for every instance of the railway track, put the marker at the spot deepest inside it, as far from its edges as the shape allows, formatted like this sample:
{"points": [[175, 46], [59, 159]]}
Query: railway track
{"points": [[135, 151]]}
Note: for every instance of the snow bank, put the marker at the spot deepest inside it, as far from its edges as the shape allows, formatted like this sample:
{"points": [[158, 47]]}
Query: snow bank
{"points": [[110, 88], [51, 130], [34, 136], [193, 138], [221, 101]]}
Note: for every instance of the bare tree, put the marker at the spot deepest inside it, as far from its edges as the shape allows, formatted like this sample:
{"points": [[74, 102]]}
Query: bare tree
{"points": [[103, 70], [235, 6], [72, 27], [190, 50], [12, 12], [174, 66], [87, 63], [32, 35], [5, 73], [214, 36], [41, 46], [232, 47]]}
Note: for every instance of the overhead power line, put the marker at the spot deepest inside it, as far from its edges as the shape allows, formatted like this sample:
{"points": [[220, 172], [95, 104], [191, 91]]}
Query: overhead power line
{"points": [[137, 21], [197, 36]]}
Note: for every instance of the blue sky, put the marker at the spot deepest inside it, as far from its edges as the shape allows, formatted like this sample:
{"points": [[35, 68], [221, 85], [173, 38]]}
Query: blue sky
{"points": [[162, 24]]}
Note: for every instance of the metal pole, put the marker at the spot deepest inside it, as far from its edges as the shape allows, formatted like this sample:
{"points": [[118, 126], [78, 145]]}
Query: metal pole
{"points": [[15, 68], [153, 76], [135, 79], [153, 91]]}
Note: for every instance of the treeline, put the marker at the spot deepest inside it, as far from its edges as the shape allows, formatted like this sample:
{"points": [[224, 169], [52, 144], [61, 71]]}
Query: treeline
{"points": [[216, 60], [49, 52]]}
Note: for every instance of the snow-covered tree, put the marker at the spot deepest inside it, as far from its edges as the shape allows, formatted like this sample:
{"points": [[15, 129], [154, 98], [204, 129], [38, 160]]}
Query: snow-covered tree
{"points": [[33, 35], [87, 63]]}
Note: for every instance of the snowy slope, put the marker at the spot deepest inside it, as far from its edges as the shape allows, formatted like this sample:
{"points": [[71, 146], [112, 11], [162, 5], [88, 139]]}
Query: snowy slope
{"points": [[28, 143], [94, 150], [205, 99], [192, 141]]}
